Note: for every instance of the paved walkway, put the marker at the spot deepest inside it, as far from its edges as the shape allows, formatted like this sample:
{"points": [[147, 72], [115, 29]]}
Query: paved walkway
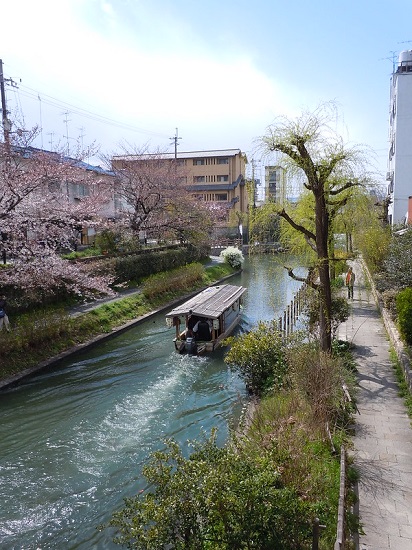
{"points": [[383, 440]]}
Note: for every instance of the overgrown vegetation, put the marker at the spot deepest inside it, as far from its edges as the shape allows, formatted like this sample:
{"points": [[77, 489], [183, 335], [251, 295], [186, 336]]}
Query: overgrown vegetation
{"points": [[220, 498], [404, 310], [395, 269], [264, 488], [404, 391]]}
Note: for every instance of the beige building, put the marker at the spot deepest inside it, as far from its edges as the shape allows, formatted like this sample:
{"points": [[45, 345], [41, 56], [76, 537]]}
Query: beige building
{"points": [[213, 176]]}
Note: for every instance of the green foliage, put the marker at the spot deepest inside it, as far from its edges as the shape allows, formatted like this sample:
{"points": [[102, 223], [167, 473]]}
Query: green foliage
{"points": [[373, 244], [138, 266], [107, 240], [303, 212], [233, 256], [396, 269], [319, 377], [258, 356], [216, 272], [180, 279], [217, 499], [339, 311], [86, 253], [264, 224], [403, 385], [404, 310], [337, 283]]}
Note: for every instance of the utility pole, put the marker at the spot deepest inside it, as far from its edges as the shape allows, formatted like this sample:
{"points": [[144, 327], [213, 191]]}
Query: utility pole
{"points": [[6, 122], [175, 139]]}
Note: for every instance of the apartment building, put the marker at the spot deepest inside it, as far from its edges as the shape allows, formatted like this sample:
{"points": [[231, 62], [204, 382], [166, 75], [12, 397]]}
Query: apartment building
{"points": [[216, 176], [275, 184], [399, 175]]}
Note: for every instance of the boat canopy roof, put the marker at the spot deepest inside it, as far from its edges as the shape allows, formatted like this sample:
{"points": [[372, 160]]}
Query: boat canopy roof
{"points": [[210, 303]]}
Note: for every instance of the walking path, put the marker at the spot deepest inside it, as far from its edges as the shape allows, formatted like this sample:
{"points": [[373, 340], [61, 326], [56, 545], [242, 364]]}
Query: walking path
{"points": [[383, 437]]}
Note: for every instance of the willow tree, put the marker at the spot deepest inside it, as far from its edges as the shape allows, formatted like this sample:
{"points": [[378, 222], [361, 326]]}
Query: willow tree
{"points": [[315, 156]]}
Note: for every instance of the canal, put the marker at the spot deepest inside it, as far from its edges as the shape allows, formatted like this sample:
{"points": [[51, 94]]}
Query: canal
{"points": [[74, 439]]}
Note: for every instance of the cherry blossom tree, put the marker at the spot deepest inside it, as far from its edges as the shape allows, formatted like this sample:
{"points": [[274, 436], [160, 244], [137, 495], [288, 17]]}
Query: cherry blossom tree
{"points": [[39, 218], [155, 198]]}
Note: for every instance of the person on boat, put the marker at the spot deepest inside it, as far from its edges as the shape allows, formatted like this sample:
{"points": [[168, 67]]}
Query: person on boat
{"points": [[190, 324], [202, 330]]}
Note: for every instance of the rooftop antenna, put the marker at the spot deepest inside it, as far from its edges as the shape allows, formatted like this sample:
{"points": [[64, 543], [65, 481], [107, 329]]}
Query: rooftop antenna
{"points": [[175, 139], [392, 58], [82, 135], [66, 121], [51, 134], [41, 121]]}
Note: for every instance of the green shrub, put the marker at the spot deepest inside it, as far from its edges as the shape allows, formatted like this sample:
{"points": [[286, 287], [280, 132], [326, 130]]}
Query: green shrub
{"points": [[217, 499], [258, 356], [404, 309], [138, 266]]}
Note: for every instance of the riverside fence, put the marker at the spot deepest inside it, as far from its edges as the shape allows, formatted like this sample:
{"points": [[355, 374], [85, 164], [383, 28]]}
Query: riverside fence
{"points": [[287, 321]]}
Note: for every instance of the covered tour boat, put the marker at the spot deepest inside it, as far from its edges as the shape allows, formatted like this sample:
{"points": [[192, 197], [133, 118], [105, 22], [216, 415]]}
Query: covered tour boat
{"points": [[205, 320]]}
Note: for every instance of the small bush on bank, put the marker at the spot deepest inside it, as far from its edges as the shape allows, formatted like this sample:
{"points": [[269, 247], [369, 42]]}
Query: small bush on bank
{"points": [[404, 310], [233, 256], [259, 357]]}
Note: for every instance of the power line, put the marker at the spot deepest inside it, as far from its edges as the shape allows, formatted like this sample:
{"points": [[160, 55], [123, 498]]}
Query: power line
{"points": [[30, 93]]}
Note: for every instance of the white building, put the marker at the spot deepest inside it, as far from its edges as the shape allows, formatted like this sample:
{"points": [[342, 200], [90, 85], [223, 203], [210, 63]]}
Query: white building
{"points": [[399, 175]]}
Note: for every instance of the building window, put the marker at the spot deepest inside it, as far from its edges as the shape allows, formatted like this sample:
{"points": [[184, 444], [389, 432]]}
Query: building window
{"points": [[199, 179], [222, 178], [80, 190], [223, 160], [198, 162], [221, 196], [54, 186]]}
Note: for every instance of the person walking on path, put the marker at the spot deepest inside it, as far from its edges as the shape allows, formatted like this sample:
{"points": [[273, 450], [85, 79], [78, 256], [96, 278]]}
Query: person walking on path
{"points": [[383, 435], [350, 281], [4, 320]]}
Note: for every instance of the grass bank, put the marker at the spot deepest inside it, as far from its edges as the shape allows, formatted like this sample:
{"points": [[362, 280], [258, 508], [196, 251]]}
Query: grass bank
{"points": [[44, 333]]}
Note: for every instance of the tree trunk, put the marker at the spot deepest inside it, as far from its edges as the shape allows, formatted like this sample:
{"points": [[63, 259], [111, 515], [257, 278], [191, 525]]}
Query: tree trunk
{"points": [[325, 295]]}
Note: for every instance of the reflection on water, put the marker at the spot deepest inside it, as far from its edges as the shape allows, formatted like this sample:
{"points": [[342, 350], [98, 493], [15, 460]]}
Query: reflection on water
{"points": [[73, 440]]}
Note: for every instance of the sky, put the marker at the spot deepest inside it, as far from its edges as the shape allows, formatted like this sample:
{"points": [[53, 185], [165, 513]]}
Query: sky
{"points": [[131, 73]]}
